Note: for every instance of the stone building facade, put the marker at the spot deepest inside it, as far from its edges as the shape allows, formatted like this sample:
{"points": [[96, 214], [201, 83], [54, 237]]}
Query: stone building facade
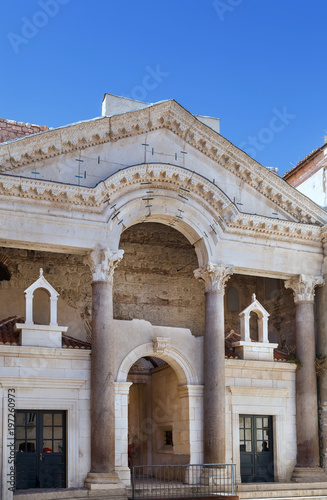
{"points": [[178, 284]]}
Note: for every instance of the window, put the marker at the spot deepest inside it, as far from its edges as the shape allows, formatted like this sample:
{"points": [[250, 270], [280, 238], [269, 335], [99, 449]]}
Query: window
{"points": [[232, 299], [169, 438]]}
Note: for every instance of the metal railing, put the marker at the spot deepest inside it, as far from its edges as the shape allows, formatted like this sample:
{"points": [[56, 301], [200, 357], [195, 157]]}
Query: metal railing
{"points": [[182, 481]]}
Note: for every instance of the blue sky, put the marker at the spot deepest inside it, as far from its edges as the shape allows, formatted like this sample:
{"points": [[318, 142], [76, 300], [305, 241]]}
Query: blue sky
{"points": [[258, 65]]}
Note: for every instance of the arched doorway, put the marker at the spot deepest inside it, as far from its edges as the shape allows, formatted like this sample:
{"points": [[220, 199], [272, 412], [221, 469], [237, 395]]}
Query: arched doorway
{"points": [[161, 405], [158, 419]]}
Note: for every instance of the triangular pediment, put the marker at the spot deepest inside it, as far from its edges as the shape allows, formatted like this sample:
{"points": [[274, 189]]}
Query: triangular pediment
{"points": [[161, 133]]}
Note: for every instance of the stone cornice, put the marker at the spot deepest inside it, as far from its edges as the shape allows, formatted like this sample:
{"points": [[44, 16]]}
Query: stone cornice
{"points": [[171, 116], [38, 382], [44, 352], [103, 200]]}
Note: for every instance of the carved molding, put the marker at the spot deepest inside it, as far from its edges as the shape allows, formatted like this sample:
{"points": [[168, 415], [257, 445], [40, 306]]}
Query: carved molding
{"points": [[103, 262], [171, 116], [160, 344], [104, 200], [215, 276], [303, 287]]}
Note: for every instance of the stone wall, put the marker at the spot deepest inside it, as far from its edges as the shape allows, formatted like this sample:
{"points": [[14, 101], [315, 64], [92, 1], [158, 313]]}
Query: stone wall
{"points": [[263, 388], [274, 297], [66, 273], [154, 281], [139, 427], [10, 129], [50, 379], [166, 416]]}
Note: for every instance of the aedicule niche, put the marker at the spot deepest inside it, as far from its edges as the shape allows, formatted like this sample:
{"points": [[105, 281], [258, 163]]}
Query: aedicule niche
{"points": [[262, 350], [41, 335]]}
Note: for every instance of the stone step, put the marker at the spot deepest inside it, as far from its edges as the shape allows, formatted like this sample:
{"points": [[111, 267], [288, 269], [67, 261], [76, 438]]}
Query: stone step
{"points": [[66, 494], [250, 491], [280, 491]]}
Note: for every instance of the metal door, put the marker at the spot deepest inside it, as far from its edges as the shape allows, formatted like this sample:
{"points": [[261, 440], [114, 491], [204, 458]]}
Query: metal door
{"points": [[256, 448], [40, 443]]}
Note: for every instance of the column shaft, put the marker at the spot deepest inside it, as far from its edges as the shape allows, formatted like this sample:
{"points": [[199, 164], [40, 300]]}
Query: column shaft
{"points": [[214, 379], [306, 388], [102, 380]]}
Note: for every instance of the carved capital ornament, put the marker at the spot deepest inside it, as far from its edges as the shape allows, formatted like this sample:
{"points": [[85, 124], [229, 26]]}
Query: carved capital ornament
{"points": [[215, 276], [103, 262], [303, 287]]}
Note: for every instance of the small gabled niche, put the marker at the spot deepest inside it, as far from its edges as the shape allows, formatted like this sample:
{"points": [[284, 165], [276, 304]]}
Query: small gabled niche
{"points": [[49, 335], [260, 349]]}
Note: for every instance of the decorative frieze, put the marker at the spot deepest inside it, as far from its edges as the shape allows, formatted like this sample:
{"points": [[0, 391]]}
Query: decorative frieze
{"points": [[303, 287], [200, 191], [215, 276], [103, 262]]}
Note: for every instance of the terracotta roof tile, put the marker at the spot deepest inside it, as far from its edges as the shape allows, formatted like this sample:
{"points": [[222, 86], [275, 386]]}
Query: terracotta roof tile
{"points": [[301, 162], [231, 337], [71, 343], [9, 336]]}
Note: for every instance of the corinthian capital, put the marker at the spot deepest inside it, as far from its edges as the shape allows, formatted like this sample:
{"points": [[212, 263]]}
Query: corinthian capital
{"points": [[303, 287], [214, 276], [103, 262]]}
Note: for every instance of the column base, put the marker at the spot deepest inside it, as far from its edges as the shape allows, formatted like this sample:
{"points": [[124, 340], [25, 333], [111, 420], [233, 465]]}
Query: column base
{"points": [[309, 475], [105, 481], [124, 474]]}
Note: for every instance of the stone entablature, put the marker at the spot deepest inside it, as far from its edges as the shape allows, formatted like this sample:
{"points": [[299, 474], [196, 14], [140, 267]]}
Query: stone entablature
{"points": [[105, 202], [171, 116]]}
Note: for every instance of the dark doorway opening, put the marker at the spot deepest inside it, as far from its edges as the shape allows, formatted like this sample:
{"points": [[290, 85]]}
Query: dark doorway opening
{"points": [[40, 444], [256, 448]]}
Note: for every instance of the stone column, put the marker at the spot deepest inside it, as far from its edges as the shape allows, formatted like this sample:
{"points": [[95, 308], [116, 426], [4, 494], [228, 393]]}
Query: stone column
{"points": [[214, 406], [102, 475], [307, 467]]}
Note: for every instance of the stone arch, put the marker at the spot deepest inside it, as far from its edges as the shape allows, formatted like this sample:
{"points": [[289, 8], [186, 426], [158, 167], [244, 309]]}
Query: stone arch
{"points": [[190, 394], [170, 195], [174, 357]]}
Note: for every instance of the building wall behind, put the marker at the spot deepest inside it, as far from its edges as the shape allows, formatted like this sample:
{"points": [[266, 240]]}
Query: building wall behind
{"points": [[66, 273], [10, 129], [155, 281], [274, 297], [167, 415]]}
